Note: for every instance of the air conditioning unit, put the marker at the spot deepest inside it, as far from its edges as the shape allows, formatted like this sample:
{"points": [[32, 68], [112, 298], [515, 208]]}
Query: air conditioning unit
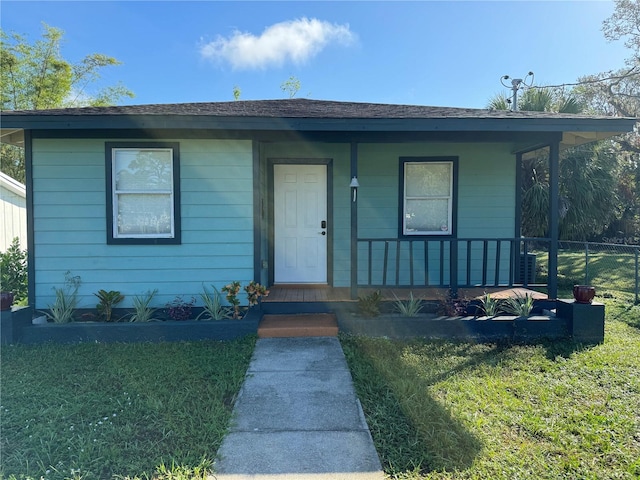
{"points": [[531, 268]]}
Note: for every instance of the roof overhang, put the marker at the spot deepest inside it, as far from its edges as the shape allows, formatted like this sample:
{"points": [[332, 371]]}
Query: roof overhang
{"points": [[572, 131], [12, 136], [12, 185], [572, 139]]}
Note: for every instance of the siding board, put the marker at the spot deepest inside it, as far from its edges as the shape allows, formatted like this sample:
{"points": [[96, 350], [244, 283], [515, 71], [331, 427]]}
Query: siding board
{"points": [[13, 214]]}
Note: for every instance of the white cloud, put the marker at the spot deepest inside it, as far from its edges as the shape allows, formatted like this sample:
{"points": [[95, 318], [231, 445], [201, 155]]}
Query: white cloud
{"points": [[295, 41]]}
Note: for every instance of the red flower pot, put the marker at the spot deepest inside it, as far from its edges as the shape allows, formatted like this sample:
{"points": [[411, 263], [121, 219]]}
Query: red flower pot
{"points": [[6, 300], [583, 293]]}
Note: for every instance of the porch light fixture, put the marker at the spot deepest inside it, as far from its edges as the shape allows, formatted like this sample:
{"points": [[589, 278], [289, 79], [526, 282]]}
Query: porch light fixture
{"points": [[354, 187]]}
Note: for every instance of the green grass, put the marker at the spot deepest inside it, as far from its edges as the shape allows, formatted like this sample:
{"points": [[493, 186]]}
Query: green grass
{"points": [[610, 271], [436, 409], [445, 410], [100, 411]]}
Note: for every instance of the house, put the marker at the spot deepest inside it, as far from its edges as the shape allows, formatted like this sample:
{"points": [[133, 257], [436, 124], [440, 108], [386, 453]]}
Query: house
{"points": [[13, 211], [297, 191]]}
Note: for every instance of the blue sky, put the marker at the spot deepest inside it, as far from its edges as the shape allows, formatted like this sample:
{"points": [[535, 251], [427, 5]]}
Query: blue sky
{"points": [[447, 53]]}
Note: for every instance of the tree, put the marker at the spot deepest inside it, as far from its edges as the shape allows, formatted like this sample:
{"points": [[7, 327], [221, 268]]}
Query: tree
{"points": [[617, 93], [588, 178], [586, 175], [540, 99], [291, 86], [499, 102], [36, 76], [617, 161], [624, 23]]}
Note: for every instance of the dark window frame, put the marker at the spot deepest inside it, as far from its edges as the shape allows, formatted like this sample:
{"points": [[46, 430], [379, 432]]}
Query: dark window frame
{"points": [[454, 196], [176, 239]]}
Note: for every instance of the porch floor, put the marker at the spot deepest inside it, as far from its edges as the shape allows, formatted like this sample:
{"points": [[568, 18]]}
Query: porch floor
{"points": [[323, 293]]}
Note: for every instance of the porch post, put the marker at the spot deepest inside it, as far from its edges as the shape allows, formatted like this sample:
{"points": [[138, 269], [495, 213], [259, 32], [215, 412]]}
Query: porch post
{"points": [[354, 224], [31, 244], [554, 192], [453, 267], [517, 227], [257, 215], [518, 206]]}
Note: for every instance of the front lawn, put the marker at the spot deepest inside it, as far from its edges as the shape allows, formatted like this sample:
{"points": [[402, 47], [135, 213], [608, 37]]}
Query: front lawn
{"points": [[445, 410], [436, 409], [94, 411]]}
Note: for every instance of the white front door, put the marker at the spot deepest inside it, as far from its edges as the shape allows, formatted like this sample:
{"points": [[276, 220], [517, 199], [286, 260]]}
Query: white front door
{"points": [[300, 229]]}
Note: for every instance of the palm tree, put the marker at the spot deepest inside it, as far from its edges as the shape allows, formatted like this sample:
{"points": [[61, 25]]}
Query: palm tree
{"points": [[535, 99], [587, 181]]}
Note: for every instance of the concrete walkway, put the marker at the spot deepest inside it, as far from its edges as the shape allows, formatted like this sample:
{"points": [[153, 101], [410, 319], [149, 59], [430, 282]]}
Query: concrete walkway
{"points": [[297, 417]]}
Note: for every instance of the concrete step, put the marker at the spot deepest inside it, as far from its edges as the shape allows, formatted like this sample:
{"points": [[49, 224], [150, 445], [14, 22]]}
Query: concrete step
{"points": [[298, 325]]}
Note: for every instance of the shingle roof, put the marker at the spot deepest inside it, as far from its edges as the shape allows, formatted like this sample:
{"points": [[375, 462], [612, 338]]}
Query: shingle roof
{"points": [[298, 108]]}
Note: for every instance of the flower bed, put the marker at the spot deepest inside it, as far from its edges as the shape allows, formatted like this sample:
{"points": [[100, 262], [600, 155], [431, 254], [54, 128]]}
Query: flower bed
{"points": [[504, 327], [160, 331]]}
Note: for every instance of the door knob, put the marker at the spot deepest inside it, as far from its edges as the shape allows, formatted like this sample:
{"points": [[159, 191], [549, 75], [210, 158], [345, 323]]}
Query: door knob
{"points": [[323, 233]]}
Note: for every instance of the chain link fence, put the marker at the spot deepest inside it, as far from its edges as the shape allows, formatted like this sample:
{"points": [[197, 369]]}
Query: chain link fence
{"points": [[606, 266]]}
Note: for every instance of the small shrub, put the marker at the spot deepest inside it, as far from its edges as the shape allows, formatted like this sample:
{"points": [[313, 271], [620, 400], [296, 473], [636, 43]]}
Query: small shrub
{"points": [[142, 311], [213, 307], [178, 309], [519, 306], [13, 269], [108, 300], [451, 306], [254, 292], [369, 305], [62, 310], [232, 291], [410, 307], [490, 306]]}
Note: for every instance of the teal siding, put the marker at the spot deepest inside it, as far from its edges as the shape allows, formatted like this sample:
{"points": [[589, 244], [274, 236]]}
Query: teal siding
{"points": [[486, 187], [217, 215], [70, 223]]}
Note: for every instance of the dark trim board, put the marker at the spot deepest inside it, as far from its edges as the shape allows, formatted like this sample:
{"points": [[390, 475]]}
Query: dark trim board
{"points": [[523, 141], [31, 244], [177, 223], [257, 213], [353, 161], [554, 196], [454, 193], [340, 123], [518, 203]]}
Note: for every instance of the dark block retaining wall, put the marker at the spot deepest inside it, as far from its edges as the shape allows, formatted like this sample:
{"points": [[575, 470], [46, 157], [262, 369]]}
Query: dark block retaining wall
{"points": [[163, 331], [582, 322], [13, 323], [460, 328]]}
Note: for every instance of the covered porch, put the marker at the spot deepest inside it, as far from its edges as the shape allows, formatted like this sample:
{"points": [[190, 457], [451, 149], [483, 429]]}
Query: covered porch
{"points": [[464, 255]]}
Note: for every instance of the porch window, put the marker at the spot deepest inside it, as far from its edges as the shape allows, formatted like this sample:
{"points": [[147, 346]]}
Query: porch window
{"points": [[428, 196], [143, 193]]}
